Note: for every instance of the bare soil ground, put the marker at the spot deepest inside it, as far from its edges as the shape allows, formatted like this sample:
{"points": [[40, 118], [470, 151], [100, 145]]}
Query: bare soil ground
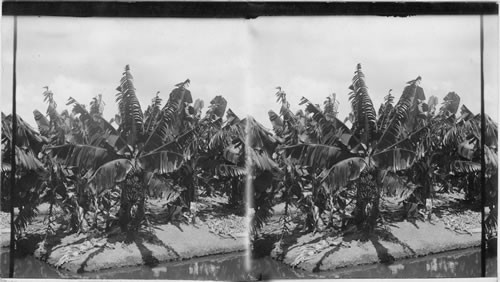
{"points": [[215, 230], [453, 225]]}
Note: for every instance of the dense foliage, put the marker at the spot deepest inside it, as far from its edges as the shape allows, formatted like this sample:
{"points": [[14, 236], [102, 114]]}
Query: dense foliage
{"points": [[337, 173], [98, 174]]}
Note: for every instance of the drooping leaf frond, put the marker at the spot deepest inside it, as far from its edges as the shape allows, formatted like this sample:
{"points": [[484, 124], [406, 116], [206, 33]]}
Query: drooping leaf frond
{"points": [[181, 143], [261, 160], [29, 144], [395, 159], [84, 157], [109, 174], [452, 137], [413, 140], [26, 136], [232, 131], [161, 161], [258, 137], [316, 155], [342, 172], [226, 136], [27, 160]]}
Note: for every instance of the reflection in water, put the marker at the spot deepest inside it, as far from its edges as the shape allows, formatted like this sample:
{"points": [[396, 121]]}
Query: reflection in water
{"points": [[395, 268], [222, 267], [465, 263]]}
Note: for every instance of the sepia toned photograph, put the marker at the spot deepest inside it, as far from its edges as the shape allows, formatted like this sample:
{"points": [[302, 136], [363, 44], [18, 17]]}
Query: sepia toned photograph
{"points": [[265, 148]]}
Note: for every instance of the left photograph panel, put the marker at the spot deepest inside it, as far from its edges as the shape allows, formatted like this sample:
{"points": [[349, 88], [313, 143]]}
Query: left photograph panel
{"points": [[126, 156]]}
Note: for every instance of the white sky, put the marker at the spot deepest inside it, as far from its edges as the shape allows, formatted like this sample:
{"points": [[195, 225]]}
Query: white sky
{"points": [[244, 60]]}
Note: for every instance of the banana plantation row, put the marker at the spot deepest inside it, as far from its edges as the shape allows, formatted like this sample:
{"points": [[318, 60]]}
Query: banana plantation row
{"points": [[98, 173]]}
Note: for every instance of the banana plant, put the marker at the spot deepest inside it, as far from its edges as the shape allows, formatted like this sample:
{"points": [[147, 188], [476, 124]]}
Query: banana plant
{"points": [[466, 136], [360, 156], [134, 156], [263, 169], [222, 152], [30, 171]]}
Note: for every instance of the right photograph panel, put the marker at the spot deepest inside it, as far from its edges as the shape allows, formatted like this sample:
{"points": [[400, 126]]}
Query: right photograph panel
{"points": [[369, 155]]}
